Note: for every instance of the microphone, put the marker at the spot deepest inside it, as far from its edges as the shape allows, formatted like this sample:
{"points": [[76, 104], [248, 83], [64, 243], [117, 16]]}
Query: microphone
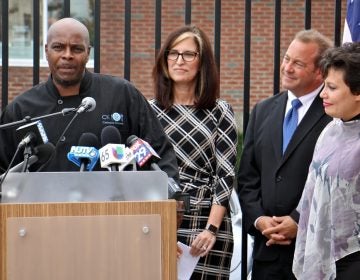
{"points": [[113, 155], [88, 104], [142, 151], [42, 154], [85, 155], [32, 133], [30, 137]]}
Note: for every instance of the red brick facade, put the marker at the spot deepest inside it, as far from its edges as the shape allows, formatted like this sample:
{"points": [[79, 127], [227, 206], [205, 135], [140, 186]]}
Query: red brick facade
{"points": [[232, 41]]}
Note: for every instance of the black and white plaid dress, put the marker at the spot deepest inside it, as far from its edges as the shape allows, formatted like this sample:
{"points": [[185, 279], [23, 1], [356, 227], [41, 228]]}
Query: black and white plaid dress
{"points": [[205, 145]]}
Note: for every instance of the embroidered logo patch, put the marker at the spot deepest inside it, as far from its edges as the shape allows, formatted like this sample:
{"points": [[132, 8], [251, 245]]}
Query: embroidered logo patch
{"points": [[113, 119]]}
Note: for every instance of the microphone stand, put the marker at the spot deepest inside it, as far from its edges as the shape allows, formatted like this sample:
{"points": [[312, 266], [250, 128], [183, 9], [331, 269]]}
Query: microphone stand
{"points": [[28, 119], [27, 153]]}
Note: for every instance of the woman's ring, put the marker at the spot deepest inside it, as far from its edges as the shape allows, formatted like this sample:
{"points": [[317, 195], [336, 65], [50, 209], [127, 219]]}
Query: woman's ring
{"points": [[204, 248]]}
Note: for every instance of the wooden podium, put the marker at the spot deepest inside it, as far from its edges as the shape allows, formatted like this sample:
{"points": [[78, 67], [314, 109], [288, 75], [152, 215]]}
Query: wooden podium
{"points": [[86, 239]]}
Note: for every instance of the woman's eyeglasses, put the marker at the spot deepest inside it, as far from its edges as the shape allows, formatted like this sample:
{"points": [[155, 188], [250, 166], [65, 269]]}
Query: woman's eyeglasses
{"points": [[187, 56]]}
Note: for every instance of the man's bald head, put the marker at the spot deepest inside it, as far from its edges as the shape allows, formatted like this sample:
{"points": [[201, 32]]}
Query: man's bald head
{"points": [[67, 52], [70, 24]]}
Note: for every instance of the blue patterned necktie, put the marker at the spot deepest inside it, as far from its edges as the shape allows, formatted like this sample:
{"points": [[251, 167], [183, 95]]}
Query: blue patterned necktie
{"points": [[290, 122]]}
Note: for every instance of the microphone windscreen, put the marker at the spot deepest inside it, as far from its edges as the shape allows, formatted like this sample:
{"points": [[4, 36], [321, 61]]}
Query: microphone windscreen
{"points": [[89, 103], [88, 139], [110, 135], [131, 140], [44, 152]]}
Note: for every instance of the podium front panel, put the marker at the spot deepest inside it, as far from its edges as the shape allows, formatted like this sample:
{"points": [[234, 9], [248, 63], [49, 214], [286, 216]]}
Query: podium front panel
{"points": [[91, 247]]}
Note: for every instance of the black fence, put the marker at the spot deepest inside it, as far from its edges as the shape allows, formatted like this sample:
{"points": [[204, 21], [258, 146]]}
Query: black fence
{"points": [[187, 20]]}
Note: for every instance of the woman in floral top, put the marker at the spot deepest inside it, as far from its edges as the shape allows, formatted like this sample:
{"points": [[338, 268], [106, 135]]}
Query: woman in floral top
{"points": [[328, 239]]}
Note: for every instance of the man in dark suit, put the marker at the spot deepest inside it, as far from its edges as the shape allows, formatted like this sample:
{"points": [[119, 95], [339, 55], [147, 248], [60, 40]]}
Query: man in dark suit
{"points": [[271, 177]]}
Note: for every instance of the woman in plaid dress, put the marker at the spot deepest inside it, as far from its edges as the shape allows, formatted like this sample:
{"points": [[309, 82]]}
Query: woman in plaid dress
{"points": [[203, 131]]}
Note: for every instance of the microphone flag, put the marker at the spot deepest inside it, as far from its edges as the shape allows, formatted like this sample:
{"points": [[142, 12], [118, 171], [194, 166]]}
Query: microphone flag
{"points": [[142, 151], [35, 133], [115, 155], [77, 155]]}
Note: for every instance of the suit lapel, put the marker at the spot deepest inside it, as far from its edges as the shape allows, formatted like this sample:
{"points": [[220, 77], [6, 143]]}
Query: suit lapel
{"points": [[276, 123]]}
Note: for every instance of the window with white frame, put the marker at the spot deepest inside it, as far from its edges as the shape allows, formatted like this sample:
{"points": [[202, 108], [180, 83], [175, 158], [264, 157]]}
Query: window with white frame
{"points": [[21, 27]]}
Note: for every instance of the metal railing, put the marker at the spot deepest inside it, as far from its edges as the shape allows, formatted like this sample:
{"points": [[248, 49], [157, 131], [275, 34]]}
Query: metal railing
{"points": [[157, 24]]}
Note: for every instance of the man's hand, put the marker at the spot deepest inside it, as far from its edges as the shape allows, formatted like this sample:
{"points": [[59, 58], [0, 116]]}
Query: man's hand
{"points": [[266, 223], [282, 233]]}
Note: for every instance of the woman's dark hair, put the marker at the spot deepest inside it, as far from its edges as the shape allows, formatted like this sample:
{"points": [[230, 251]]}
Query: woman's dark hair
{"points": [[346, 59], [207, 87]]}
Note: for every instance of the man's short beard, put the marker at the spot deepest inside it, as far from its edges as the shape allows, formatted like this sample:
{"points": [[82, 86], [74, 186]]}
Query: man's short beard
{"points": [[66, 83]]}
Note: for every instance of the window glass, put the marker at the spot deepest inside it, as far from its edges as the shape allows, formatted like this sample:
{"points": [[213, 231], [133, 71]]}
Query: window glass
{"points": [[20, 29], [21, 26], [83, 10]]}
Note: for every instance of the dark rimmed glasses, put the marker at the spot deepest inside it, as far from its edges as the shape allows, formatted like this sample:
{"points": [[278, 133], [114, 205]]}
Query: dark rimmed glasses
{"points": [[187, 56]]}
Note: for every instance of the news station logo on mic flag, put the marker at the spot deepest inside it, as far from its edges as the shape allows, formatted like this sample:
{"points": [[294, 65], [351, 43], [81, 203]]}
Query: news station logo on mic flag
{"points": [[142, 151], [79, 153], [352, 22], [118, 151], [115, 154]]}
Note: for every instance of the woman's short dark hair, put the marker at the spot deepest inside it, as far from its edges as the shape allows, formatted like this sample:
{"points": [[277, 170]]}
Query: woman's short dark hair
{"points": [[208, 86], [346, 59]]}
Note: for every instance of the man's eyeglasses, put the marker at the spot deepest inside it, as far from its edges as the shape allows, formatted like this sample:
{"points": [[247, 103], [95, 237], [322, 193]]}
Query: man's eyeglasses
{"points": [[187, 56]]}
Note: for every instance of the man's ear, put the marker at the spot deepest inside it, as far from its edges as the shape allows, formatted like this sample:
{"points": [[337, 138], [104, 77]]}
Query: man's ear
{"points": [[319, 75], [88, 54], [46, 51]]}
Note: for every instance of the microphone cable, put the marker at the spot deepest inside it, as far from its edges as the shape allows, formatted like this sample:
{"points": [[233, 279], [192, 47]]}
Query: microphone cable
{"points": [[66, 129]]}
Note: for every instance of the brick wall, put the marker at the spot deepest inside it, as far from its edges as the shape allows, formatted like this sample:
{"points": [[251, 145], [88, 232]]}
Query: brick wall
{"points": [[232, 41]]}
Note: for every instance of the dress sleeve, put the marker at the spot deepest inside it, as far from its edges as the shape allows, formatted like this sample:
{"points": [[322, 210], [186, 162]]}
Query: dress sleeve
{"points": [[225, 145]]}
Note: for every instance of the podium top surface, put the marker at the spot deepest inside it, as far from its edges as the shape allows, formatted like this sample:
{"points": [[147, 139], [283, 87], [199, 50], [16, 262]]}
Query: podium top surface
{"points": [[85, 186]]}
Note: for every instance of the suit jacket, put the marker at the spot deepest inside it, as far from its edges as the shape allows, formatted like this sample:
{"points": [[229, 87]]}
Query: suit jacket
{"points": [[270, 183]]}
